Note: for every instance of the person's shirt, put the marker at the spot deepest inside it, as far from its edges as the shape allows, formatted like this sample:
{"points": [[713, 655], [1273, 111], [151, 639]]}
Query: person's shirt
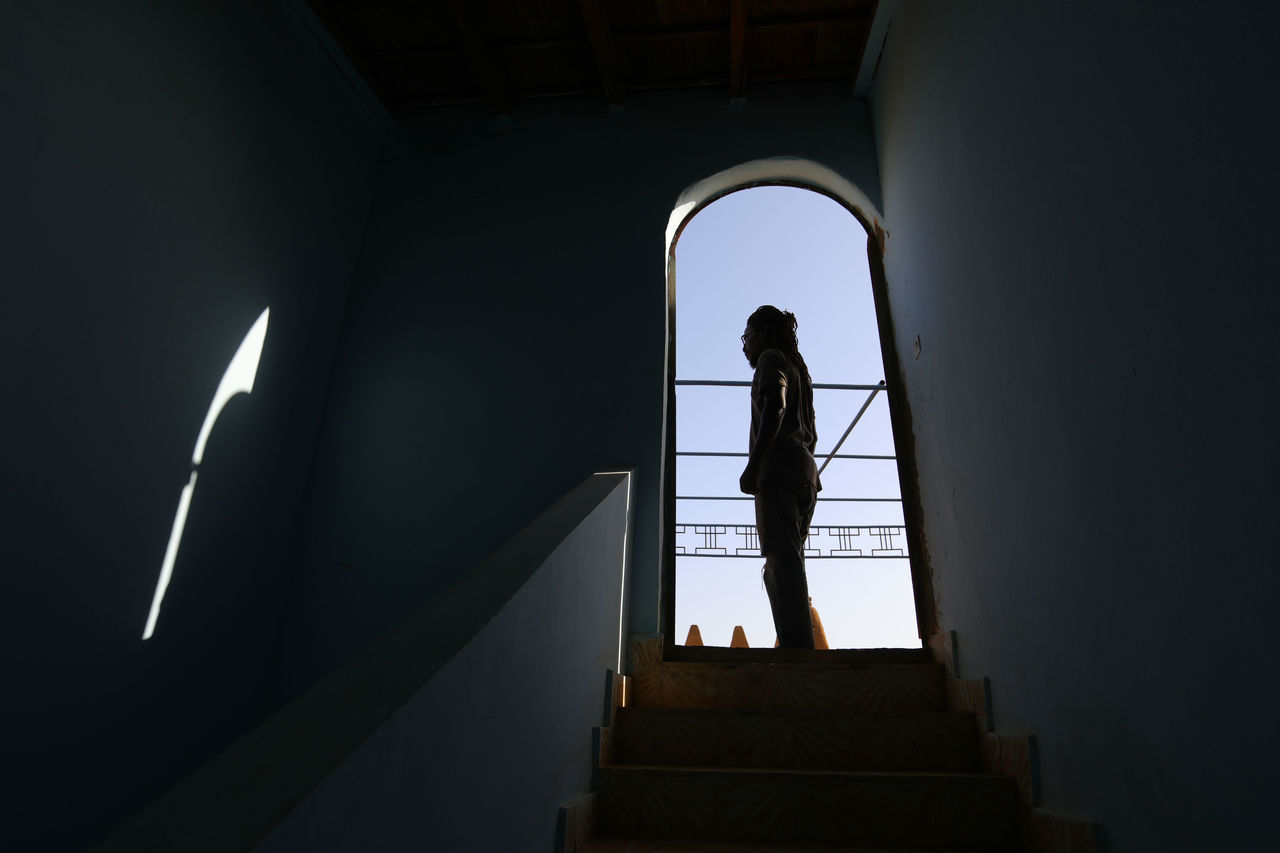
{"points": [[789, 461]]}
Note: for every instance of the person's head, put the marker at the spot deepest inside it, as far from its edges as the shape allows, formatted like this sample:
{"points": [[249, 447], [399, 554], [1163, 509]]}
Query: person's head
{"points": [[769, 328]]}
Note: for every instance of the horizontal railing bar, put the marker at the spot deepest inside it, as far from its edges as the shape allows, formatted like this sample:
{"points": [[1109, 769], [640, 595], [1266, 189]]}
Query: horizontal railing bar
{"points": [[817, 386], [751, 498], [836, 456], [812, 527], [807, 556]]}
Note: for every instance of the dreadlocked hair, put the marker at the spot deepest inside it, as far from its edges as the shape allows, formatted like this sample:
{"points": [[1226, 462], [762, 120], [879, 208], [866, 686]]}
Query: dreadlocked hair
{"points": [[779, 331]]}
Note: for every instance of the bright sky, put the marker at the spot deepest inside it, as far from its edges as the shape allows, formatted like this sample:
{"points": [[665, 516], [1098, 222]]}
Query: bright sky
{"points": [[804, 253]]}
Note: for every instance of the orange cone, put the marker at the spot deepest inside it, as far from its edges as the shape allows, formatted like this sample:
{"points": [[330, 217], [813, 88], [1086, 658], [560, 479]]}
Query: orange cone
{"points": [[819, 635], [694, 638], [739, 640]]}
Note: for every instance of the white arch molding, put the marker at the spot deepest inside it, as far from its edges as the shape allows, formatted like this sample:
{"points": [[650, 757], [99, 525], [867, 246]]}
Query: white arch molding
{"points": [[803, 174], [771, 171], [786, 171]]}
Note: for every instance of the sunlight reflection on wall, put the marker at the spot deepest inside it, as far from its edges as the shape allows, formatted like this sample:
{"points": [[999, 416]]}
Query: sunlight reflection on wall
{"points": [[238, 379]]}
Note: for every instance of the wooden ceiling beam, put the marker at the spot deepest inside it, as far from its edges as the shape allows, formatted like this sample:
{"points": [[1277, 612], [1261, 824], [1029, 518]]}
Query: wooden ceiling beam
{"points": [[826, 73], [872, 46], [737, 51], [602, 47], [327, 29], [488, 72], [633, 37]]}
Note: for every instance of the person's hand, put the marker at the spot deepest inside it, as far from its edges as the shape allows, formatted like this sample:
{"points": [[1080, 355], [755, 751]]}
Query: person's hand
{"points": [[747, 482]]}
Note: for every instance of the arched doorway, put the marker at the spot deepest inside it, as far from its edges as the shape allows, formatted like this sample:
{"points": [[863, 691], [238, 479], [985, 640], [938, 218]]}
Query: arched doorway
{"points": [[848, 520]]}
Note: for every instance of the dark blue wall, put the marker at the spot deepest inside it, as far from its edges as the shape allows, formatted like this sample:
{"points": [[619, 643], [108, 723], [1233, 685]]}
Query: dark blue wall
{"points": [[506, 336], [1081, 205], [484, 754], [167, 171]]}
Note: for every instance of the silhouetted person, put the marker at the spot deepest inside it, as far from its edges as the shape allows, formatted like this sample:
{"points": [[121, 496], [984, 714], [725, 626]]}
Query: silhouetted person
{"points": [[781, 472]]}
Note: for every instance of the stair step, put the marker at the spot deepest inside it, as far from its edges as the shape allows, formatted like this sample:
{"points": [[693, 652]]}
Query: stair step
{"points": [[670, 845], [809, 806], [789, 686], [939, 741], [827, 657]]}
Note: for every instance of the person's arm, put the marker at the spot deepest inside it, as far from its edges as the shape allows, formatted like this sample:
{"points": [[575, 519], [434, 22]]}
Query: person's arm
{"points": [[771, 387], [813, 442]]}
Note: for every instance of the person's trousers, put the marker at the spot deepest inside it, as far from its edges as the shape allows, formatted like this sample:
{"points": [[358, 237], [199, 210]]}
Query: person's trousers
{"points": [[783, 514]]}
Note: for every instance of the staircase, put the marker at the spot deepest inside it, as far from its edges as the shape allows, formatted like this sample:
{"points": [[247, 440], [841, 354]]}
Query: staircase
{"points": [[785, 750]]}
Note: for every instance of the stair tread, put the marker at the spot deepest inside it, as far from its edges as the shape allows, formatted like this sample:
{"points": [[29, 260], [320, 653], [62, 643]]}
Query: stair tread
{"points": [[793, 771], [790, 713], [669, 845], [802, 665], [795, 686], [800, 738], [851, 808], [759, 750], [825, 657]]}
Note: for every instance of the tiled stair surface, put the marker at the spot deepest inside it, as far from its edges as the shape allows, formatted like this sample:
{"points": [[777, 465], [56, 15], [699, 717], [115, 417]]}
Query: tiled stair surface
{"points": [[795, 756], [790, 687], [829, 807], [806, 740], [668, 845]]}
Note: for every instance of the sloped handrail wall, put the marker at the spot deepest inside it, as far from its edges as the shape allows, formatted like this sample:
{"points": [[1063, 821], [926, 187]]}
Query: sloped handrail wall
{"points": [[464, 728]]}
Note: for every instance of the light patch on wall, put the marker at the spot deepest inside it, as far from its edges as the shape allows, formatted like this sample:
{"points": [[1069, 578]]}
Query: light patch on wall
{"points": [[622, 600], [238, 379]]}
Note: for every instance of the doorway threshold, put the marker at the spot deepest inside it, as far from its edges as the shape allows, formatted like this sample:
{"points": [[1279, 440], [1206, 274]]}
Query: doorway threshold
{"points": [[854, 657]]}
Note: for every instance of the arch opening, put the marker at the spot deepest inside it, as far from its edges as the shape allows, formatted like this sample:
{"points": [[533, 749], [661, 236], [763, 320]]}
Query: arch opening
{"points": [[875, 576]]}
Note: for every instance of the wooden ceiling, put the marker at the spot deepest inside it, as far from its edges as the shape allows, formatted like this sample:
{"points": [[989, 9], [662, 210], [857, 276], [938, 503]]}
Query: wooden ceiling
{"points": [[425, 53]]}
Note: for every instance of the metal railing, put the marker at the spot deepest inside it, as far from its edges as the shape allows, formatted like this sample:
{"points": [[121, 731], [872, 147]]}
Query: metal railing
{"points": [[828, 541], [839, 540]]}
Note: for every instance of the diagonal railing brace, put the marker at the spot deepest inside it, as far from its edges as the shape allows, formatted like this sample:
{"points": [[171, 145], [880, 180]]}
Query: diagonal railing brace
{"points": [[856, 418]]}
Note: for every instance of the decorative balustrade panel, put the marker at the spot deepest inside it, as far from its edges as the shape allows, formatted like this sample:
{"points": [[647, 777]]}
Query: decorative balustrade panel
{"points": [[854, 541], [826, 541]]}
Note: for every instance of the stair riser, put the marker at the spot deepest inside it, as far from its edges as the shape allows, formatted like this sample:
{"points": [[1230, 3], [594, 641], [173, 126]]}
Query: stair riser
{"points": [[918, 811], [907, 687], [934, 742]]}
